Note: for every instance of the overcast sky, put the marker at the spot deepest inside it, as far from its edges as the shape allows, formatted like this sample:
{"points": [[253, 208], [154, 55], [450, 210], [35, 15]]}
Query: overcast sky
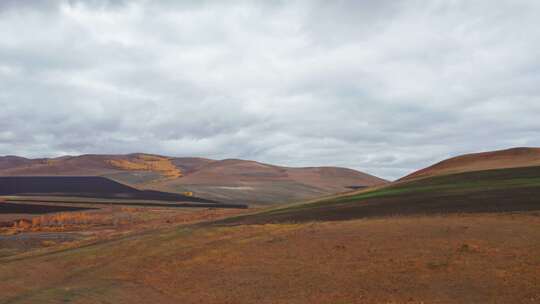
{"points": [[385, 87]]}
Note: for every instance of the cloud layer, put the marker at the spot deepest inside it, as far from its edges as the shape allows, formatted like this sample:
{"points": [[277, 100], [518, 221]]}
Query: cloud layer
{"points": [[381, 86]]}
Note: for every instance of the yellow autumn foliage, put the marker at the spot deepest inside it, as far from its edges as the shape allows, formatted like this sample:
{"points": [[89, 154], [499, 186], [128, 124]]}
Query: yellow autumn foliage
{"points": [[51, 162], [67, 220], [143, 162]]}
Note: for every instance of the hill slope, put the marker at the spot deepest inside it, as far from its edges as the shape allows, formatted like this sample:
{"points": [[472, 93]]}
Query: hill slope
{"points": [[232, 180], [498, 190], [510, 158], [89, 165], [253, 182]]}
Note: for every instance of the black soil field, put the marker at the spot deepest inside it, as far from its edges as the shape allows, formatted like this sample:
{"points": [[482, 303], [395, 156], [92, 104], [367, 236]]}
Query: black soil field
{"points": [[61, 184], [6, 208], [502, 190], [85, 186]]}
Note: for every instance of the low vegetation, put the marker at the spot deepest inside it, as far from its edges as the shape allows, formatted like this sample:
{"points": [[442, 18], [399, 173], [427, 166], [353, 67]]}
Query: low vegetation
{"points": [[75, 220]]}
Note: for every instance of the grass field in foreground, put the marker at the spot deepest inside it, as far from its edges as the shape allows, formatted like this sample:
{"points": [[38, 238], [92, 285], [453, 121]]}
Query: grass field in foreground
{"points": [[474, 258]]}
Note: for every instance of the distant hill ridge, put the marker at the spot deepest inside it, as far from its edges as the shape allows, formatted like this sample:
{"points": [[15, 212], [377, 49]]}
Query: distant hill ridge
{"points": [[229, 180]]}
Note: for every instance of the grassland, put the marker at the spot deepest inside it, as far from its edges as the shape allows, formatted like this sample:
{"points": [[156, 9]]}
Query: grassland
{"points": [[475, 258]]}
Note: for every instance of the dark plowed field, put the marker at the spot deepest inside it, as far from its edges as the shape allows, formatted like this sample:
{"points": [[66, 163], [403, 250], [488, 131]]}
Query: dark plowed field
{"points": [[87, 187], [503, 190], [61, 184]]}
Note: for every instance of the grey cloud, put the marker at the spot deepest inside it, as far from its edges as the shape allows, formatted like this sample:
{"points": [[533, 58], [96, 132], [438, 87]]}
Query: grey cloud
{"points": [[385, 87]]}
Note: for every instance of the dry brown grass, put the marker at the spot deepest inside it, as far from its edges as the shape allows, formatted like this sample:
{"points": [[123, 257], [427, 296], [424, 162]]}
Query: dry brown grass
{"points": [[117, 219], [438, 259], [510, 158], [74, 221]]}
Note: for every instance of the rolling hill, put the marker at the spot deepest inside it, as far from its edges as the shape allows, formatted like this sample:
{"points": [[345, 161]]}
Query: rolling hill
{"points": [[230, 180], [514, 188], [509, 158]]}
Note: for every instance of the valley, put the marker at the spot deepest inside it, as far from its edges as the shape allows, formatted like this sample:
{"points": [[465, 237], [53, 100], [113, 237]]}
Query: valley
{"points": [[471, 236]]}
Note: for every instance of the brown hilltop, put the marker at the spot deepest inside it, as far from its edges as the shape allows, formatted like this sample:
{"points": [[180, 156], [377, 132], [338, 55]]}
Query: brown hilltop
{"points": [[230, 180], [509, 158], [253, 182], [90, 164]]}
